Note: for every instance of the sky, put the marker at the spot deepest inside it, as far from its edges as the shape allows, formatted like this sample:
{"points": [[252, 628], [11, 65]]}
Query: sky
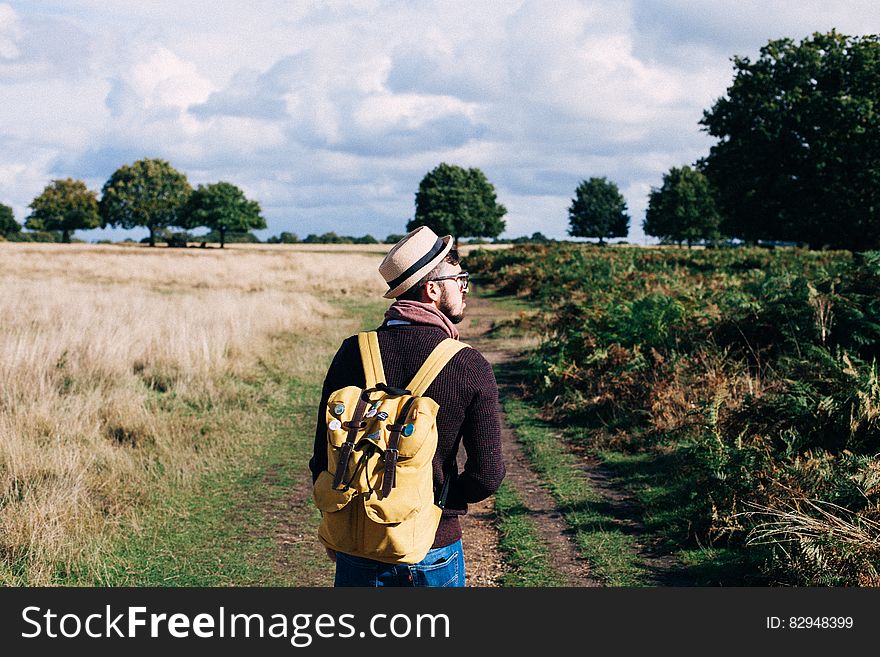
{"points": [[329, 113]]}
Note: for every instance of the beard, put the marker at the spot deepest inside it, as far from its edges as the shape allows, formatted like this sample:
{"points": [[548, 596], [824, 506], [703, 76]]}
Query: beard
{"points": [[445, 307]]}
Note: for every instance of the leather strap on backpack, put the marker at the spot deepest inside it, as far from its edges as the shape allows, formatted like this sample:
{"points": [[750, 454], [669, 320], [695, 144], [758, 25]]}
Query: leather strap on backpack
{"points": [[353, 425], [389, 478]]}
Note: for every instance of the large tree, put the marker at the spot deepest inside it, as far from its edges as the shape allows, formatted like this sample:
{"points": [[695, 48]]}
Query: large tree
{"points": [[65, 206], [149, 193], [799, 133], [222, 207], [8, 224], [598, 209], [683, 209], [460, 202]]}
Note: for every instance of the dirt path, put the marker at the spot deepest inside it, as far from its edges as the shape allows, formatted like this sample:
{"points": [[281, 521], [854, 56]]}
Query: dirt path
{"points": [[484, 562]]}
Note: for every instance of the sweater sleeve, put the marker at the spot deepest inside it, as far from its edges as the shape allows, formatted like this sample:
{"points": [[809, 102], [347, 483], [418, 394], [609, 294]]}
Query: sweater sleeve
{"points": [[481, 436]]}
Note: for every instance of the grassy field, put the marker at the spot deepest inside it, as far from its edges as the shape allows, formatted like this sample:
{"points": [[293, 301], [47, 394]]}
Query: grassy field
{"points": [[130, 374]]}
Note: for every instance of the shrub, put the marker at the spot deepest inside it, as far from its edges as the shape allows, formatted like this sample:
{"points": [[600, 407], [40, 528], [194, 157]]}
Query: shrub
{"points": [[756, 368]]}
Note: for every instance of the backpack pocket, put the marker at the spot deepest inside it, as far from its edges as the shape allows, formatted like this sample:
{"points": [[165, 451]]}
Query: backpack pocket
{"points": [[328, 499], [412, 494]]}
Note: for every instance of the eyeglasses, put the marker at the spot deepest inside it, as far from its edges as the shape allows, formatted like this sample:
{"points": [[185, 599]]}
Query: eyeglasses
{"points": [[463, 280]]}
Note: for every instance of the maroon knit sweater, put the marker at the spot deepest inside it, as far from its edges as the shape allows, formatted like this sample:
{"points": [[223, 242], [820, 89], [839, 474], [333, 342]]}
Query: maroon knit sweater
{"points": [[468, 397]]}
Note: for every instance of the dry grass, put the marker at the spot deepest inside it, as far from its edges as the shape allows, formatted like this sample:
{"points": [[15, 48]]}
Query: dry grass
{"points": [[824, 542], [121, 372]]}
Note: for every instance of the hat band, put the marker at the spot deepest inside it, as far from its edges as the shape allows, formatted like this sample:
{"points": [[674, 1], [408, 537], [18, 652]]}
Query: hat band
{"points": [[421, 262]]}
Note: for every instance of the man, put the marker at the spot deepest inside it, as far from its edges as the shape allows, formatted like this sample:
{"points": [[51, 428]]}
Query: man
{"points": [[425, 278]]}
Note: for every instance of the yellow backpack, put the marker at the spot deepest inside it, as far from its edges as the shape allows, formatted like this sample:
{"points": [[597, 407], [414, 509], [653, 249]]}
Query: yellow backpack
{"points": [[377, 495]]}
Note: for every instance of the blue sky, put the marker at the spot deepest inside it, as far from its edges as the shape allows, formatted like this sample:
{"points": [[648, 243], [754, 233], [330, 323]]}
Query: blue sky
{"points": [[329, 113]]}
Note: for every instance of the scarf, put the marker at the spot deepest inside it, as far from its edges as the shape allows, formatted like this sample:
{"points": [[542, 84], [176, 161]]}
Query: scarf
{"points": [[416, 312]]}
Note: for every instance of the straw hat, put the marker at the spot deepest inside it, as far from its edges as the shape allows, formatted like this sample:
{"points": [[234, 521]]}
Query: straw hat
{"points": [[412, 258]]}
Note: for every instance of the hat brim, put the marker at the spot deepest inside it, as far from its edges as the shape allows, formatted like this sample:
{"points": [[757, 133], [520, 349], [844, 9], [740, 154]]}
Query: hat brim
{"points": [[417, 275]]}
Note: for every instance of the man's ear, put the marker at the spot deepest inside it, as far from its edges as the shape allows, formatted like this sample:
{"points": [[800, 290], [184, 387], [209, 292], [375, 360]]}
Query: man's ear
{"points": [[431, 292]]}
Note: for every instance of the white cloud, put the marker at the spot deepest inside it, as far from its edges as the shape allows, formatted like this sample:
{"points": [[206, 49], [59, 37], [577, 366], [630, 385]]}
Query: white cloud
{"points": [[385, 111], [19, 172], [162, 78], [10, 33]]}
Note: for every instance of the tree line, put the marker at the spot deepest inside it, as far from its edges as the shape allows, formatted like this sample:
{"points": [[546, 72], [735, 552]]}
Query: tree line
{"points": [[149, 193]]}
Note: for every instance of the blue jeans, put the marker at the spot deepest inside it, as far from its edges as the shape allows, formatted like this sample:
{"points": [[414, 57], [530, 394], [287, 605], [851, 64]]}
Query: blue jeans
{"points": [[441, 567]]}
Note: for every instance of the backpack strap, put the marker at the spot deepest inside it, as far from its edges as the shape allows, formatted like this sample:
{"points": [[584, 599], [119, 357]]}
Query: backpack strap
{"points": [[438, 359], [371, 358], [435, 362]]}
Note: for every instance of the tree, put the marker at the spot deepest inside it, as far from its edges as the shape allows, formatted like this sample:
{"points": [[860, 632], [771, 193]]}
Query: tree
{"points": [[798, 136], [66, 206], [458, 202], [598, 210], [683, 209], [149, 193], [222, 207], [8, 224], [536, 238], [327, 238], [284, 237], [230, 237]]}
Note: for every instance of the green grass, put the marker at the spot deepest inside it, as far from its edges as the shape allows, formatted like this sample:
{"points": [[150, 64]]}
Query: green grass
{"points": [[667, 502], [218, 532], [517, 308], [504, 302], [527, 558], [600, 535], [234, 526]]}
